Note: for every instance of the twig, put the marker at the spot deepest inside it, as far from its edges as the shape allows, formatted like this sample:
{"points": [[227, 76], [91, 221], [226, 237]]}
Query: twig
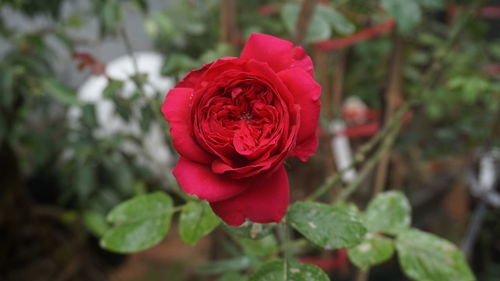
{"points": [[370, 164], [474, 228], [362, 275], [305, 16], [360, 155], [130, 50], [321, 61], [392, 98], [228, 21], [338, 80]]}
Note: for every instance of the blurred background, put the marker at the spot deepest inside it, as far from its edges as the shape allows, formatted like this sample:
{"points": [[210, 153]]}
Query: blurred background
{"points": [[82, 82]]}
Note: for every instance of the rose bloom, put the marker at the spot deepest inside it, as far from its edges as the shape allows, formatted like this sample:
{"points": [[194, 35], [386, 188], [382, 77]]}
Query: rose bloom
{"points": [[236, 120]]}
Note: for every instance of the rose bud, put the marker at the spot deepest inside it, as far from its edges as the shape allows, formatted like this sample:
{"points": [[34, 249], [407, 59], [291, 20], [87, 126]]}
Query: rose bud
{"points": [[236, 120]]}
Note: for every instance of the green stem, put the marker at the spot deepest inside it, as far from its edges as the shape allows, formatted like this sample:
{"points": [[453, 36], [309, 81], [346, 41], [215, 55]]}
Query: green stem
{"points": [[283, 231], [372, 162], [130, 49], [361, 153]]}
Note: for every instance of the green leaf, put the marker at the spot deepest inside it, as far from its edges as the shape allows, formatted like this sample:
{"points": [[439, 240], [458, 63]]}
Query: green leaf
{"points": [[147, 117], [65, 41], [388, 212], [123, 107], [59, 91], [89, 117], [318, 29], [196, 221], [140, 223], [95, 222], [261, 247], [432, 4], [221, 50], [85, 181], [7, 86], [222, 266], [424, 256], [372, 251], [406, 12], [111, 17], [274, 271], [330, 227], [177, 63], [232, 276], [112, 88], [143, 5], [336, 20]]}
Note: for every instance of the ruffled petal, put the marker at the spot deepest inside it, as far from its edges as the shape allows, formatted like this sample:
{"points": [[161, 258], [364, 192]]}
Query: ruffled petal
{"points": [[199, 180], [265, 201], [279, 54], [177, 110]]}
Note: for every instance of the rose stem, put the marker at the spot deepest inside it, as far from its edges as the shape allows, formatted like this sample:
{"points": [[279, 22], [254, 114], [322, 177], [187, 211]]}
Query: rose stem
{"points": [[283, 234], [393, 99], [337, 86], [338, 80], [321, 61]]}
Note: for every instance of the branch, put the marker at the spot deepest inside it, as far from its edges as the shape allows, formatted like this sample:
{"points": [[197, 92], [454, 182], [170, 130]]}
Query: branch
{"points": [[305, 16]]}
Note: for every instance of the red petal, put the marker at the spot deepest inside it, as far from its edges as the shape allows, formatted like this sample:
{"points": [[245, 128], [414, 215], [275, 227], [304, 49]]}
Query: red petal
{"points": [[193, 77], [199, 180], [279, 54], [177, 110], [364, 130], [265, 201], [306, 148], [306, 93]]}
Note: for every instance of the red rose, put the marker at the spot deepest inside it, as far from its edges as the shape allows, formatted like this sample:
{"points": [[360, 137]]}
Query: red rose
{"points": [[235, 121]]}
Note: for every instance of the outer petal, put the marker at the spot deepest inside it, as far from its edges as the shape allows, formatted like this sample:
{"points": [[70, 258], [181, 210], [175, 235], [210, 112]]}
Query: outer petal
{"points": [[193, 77], [199, 180], [265, 201], [306, 93], [177, 110], [279, 54], [306, 148]]}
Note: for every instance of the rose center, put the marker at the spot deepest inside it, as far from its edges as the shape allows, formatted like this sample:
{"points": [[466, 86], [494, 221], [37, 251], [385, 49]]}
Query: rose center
{"points": [[247, 116], [241, 119]]}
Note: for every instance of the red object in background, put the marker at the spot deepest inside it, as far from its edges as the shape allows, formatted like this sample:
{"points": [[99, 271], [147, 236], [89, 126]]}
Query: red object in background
{"points": [[360, 131], [269, 9], [338, 261], [362, 121], [485, 12], [367, 33], [273, 9], [490, 12], [369, 129], [87, 60], [492, 69]]}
